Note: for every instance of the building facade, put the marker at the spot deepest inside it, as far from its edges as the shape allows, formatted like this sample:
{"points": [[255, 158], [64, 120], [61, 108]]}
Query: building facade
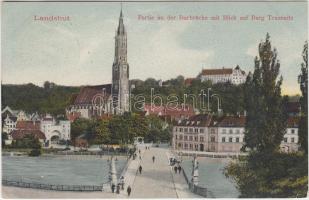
{"points": [[9, 124], [224, 134], [290, 139], [55, 131], [235, 76]]}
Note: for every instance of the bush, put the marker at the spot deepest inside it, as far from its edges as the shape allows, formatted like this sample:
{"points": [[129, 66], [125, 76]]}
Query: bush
{"points": [[35, 152]]}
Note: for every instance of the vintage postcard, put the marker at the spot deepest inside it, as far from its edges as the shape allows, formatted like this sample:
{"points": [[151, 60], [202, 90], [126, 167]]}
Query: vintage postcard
{"points": [[154, 99]]}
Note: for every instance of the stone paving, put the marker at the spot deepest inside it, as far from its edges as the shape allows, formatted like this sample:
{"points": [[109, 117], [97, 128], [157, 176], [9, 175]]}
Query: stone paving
{"points": [[156, 179]]}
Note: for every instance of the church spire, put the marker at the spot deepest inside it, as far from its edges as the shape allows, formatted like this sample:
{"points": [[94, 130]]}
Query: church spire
{"points": [[121, 29]]}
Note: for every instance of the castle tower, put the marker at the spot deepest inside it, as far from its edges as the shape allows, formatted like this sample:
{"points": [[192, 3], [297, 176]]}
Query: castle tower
{"points": [[120, 82]]}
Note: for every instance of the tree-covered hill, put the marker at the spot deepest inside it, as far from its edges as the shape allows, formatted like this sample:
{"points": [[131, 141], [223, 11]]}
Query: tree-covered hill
{"points": [[51, 98]]}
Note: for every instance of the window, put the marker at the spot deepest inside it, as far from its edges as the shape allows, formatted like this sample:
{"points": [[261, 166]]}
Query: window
{"points": [[196, 130], [176, 137], [231, 131], [212, 131], [191, 146], [186, 145], [292, 140], [180, 130], [196, 138], [223, 139], [212, 139], [186, 137], [230, 139], [202, 139], [292, 131], [285, 140], [201, 130], [176, 129], [223, 131], [237, 131], [191, 130], [237, 139], [190, 138], [186, 130]]}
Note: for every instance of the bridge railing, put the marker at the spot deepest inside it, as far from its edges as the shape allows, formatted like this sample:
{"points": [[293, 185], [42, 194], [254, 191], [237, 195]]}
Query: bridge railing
{"points": [[80, 188], [196, 189]]}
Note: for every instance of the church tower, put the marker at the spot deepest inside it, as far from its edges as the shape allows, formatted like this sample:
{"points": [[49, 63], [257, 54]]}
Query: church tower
{"points": [[120, 82]]}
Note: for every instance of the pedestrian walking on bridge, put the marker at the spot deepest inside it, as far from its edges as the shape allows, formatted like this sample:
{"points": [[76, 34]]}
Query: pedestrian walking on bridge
{"points": [[175, 169], [129, 190], [153, 159], [179, 169], [140, 169]]}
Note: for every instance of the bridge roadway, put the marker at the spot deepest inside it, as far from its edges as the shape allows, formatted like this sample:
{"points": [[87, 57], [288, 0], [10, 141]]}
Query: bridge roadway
{"points": [[157, 179]]}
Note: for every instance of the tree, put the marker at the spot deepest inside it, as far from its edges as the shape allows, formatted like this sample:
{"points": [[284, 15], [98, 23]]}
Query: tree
{"points": [[264, 104], [303, 81], [266, 171], [103, 133]]}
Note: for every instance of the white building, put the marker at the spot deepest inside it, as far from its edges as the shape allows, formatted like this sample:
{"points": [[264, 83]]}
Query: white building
{"points": [[224, 134], [54, 132], [9, 124], [235, 76], [231, 131], [290, 138]]}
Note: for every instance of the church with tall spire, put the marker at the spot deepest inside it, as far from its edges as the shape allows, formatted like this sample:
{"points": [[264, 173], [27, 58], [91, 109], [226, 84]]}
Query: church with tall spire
{"points": [[100, 100], [120, 82]]}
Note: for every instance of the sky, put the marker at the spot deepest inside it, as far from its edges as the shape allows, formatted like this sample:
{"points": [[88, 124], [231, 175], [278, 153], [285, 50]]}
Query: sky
{"points": [[81, 51]]}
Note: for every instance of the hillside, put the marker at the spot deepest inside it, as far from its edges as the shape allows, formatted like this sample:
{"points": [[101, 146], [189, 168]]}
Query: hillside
{"points": [[51, 98]]}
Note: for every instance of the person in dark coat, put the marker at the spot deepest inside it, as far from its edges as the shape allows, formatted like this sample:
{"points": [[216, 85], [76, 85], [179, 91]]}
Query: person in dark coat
{"points": [[118, 188], [113, 188], [129, 190], [153, 159], [179, 169], [175, 169], [140, 169]]}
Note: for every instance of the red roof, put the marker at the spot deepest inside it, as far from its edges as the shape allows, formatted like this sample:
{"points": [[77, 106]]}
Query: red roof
{"points": [[28, 125], [73, 116], [232, 121], [166, 111], [19, 134], [293, 107], [188, 81], [86, 94], [217, 71], [200, 120], [293, 122]]}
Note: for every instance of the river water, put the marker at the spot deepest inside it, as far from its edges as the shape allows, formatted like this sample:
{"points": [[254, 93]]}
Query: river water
{"points": [[211, 176], [62, 170]]}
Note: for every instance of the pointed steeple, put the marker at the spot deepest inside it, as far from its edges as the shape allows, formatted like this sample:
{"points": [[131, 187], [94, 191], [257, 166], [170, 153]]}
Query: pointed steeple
{"points": [[121, 29]]}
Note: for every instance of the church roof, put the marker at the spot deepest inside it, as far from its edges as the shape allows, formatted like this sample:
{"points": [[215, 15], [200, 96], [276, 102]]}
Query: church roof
{"points": [[87, 93]]}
